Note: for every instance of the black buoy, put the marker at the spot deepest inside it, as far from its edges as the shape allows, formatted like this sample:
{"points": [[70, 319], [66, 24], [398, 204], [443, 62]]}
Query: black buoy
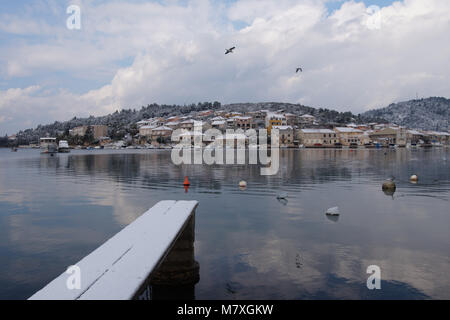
{"points": [[389, 185]]}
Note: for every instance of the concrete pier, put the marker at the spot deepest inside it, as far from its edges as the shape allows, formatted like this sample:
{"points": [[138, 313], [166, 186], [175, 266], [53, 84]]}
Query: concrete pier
{"points": [[152, 254]]}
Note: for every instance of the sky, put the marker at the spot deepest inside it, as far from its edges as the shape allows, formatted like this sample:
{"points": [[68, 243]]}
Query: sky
{"points": [[355, 55]]}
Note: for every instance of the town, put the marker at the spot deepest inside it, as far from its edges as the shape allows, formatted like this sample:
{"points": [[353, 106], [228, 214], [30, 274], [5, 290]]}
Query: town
{"points": [[295, 131]]}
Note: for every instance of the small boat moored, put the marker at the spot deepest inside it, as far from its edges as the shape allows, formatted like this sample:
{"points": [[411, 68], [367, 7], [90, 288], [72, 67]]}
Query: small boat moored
{"points": [[63, 146], [282, 195]]}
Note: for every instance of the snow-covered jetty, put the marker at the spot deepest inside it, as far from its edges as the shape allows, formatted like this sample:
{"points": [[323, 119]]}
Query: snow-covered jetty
{"points": [[120, 269]]}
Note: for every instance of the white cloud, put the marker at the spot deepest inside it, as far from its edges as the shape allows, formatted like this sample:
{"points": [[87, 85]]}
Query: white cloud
{"points": [[178, 56]]}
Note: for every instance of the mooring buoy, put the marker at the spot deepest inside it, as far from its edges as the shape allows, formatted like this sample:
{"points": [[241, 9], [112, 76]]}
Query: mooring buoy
{"points": [[333, 211], [389, 185]]}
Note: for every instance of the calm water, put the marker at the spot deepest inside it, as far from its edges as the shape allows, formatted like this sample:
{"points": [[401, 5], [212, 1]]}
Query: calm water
{"points": [[54, 211]]}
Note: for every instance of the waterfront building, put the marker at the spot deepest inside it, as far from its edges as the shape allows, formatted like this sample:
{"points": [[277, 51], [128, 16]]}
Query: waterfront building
{"points": [[243, 122], [291, 119], [219, 124], [389, 136], [439, 137], [318, 137], [173, 125], [187, 125], [307, 119], [349, 136], [146, 131], [97, 130], [274, 119], [286, 135]]}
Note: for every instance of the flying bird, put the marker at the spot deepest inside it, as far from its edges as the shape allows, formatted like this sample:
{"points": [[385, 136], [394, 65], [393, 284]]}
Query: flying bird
{"points": [[230, 50], [298, 69]]}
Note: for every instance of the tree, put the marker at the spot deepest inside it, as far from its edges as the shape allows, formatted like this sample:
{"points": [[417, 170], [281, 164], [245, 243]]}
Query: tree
{"points": [[161, 140], [89, 136], [4, 142]]}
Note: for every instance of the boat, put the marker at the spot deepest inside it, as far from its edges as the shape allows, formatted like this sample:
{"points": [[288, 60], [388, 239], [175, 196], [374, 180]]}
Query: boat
{"points": [[14, 149], [48, 145], [50, 149], [63, 146]]}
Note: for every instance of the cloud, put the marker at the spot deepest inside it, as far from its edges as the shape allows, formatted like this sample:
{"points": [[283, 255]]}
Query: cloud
{"points": [[173, 52]]}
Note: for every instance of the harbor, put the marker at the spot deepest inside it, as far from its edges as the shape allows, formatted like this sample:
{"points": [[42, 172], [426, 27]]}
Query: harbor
{"points": [[249, 242]]}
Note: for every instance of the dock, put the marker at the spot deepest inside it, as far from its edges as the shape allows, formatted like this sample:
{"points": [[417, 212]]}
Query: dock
{"points": [[152, 248]]}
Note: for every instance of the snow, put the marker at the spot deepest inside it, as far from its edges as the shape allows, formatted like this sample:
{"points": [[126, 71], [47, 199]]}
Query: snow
{"points": [[348, 130], [163, 128], [317, 131], [117, 269], [424, 114], [282, 127]]}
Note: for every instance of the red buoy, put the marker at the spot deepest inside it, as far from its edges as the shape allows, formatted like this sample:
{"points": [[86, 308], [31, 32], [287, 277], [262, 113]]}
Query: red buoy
{"points": [[186, 182]]}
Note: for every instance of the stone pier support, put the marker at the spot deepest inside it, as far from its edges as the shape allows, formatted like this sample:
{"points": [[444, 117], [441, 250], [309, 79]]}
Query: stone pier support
{"points": [[176, 277]]}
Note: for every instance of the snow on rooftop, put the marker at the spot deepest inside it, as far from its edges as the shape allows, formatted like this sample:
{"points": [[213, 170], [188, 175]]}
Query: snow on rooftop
{"points": [[190, 133], [415, 132], [317, 131], [163, 128], [348, 130], [282, 127], [436, 133], [275, 116]]}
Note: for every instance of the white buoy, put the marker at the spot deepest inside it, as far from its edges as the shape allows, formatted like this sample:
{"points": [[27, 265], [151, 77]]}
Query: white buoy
{"points": [[243, 184], [414, 178], [333, 211], [282, 195]]}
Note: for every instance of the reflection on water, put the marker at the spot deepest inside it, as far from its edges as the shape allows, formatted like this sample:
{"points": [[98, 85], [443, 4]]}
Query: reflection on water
{"points": [[55, 210]]}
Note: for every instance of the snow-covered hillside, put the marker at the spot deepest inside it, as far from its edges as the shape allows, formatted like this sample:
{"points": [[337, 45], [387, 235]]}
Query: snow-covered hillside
{"points": [[427, 114]]}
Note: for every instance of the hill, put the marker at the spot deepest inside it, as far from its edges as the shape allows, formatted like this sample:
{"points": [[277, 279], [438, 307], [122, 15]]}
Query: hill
{"points": [[426, 114]]}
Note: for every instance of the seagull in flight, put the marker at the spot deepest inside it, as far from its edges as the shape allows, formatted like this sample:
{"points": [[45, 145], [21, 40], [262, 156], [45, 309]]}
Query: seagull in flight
{"points": [[230, 50], [298, 69]]}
